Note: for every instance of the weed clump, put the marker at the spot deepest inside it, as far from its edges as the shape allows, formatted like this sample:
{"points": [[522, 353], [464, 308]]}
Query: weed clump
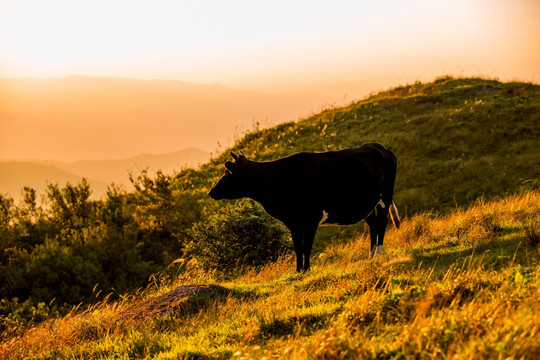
{"points": [[532, 237]]}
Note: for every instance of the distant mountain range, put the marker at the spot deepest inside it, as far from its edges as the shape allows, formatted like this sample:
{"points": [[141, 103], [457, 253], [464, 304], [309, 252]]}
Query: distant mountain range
{"points": [[14, 175], [80, 117]]}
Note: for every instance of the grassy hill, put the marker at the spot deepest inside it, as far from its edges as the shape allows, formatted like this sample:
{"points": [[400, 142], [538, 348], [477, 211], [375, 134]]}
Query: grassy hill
{"points": [[455, 140], [461, 277], [463, 284]]}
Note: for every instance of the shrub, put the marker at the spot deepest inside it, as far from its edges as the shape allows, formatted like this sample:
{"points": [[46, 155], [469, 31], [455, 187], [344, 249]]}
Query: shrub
{"points": [[16, 316], [237, 235]]}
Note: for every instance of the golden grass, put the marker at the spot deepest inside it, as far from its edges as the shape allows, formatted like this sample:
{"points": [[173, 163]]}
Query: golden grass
{"points": [[464, 285]]}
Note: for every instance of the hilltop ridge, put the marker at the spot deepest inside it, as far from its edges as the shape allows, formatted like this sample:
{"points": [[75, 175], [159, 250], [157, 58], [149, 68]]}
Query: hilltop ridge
{"points": [[455, 139]]}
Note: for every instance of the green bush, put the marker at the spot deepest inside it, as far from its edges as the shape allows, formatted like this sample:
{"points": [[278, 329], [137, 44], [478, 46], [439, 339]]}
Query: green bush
{"points": [[16, 316], [237, 235]]}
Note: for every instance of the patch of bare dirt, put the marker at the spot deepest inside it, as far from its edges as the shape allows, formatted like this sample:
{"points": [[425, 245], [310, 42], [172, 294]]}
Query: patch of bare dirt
{"points": [[182, 298], [481, 90]]}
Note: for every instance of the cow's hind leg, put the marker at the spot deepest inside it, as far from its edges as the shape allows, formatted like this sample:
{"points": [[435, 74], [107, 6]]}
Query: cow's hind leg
{"points": [[377, 222], [371, 220], [382, 222]]}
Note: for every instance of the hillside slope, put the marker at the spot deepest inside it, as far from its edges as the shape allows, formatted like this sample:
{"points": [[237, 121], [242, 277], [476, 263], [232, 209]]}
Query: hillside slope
{"points": [[464, 284], [455, 140]]}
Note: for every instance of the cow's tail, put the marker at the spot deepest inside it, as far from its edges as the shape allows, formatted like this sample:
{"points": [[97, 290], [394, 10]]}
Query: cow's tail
{"points": [[394, 215]]}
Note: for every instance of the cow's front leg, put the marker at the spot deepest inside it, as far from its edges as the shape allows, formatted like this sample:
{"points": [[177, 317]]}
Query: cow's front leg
{"points": [[298, 239], [309, 237]]}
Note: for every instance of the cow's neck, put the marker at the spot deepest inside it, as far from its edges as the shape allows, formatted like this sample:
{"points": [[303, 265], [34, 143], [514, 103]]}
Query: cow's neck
{"points": [[267, 187]]}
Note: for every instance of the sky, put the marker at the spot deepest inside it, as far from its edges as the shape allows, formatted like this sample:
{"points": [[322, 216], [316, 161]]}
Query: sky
{"points": [[247, 42], [337, 49]]}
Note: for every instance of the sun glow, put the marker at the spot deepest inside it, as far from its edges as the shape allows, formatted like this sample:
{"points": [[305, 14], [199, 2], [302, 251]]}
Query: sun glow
{"points": [[246, 41], [299, 56]]}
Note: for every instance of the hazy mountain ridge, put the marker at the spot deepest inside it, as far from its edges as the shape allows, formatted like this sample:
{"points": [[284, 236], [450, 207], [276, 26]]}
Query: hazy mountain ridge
{"points": [[100, 173], [16, 175], [116, 170]]}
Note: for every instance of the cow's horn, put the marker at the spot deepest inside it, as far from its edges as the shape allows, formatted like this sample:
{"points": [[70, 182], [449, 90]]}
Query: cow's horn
{"points": [[242, 153], [235, 157]]}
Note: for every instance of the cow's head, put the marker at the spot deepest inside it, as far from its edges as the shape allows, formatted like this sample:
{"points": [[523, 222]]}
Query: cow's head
{"points": [[235, 183]]}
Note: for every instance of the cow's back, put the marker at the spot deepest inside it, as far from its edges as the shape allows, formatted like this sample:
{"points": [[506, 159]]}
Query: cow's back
{"points": [[345, 184], [353, 183]]}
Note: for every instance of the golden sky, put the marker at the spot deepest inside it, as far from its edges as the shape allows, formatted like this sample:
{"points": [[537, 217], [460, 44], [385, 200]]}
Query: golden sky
{"points": [[241, 42], [321, 49]]}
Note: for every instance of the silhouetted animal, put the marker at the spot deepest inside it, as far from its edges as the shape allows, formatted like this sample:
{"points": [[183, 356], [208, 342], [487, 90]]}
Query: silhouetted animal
{"points": [[306, 190]]}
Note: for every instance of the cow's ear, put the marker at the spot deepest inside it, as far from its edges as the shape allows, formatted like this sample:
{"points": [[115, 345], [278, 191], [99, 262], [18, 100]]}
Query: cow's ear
{"points": [[237, 157], [232, 167]]}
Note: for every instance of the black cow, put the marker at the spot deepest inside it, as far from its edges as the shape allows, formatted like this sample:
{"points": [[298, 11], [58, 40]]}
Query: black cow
{"points": [[306, 190]]}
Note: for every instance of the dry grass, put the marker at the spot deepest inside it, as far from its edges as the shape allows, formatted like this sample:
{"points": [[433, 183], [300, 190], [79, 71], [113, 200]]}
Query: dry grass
{"points": [[463, 285]]}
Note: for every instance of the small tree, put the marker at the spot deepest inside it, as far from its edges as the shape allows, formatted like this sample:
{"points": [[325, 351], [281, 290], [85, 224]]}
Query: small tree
{"points": [[6, 212], [71, 205]]}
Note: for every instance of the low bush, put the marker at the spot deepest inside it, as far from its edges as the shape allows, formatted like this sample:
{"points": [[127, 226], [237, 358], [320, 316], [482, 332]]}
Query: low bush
{"points": [[237, 235]]}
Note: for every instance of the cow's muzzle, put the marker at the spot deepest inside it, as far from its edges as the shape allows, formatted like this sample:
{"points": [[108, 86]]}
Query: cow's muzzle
{"points": [[213, 195]]}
